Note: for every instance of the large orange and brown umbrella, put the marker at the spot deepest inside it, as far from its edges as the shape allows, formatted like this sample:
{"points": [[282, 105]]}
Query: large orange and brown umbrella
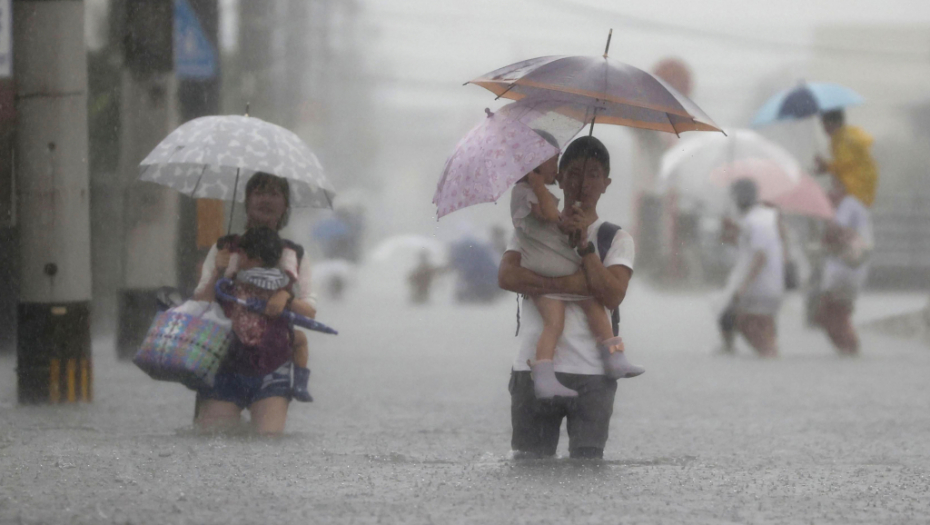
{"points": [[609, 92]]}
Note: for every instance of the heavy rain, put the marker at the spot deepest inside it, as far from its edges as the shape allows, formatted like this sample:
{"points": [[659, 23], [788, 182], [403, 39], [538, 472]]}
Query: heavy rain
{"points": [[358, 261]]}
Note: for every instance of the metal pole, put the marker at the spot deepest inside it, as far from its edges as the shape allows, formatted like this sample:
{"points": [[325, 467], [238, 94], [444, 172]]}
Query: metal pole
{"points": [[53, 322]]}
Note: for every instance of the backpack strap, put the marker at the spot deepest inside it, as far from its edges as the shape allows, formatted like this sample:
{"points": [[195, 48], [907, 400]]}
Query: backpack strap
{"points": [[605, 237]]}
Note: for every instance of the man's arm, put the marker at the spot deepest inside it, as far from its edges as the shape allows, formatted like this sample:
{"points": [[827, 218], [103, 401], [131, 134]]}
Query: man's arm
{"points": [[515, 278], [607, 284]]}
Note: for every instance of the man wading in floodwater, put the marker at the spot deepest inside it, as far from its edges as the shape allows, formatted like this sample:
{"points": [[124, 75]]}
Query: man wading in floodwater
{"points": [[585, 168]]}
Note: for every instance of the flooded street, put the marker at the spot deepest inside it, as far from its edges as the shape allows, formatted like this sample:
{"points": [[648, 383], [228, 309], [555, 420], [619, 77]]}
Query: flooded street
{"points": [[411, 425]]}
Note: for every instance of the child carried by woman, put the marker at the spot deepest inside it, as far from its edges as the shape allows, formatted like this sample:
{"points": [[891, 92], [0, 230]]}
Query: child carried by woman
{"points": [[268, 336]]}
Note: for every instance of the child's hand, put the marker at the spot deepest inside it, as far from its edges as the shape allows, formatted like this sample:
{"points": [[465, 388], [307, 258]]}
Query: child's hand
{"points": [[536, 179], [222, 260], [277, 303]]}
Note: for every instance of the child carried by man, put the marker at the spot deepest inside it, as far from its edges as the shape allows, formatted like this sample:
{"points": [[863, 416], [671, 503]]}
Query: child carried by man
{"points": [[545, 250]]}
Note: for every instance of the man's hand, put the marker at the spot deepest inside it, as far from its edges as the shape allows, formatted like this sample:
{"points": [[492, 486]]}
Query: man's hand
{"points": [[277, 303], [577, 223]]}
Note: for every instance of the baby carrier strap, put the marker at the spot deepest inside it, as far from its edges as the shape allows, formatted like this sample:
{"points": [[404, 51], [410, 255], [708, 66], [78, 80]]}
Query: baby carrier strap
{"points": [[605, 237]]}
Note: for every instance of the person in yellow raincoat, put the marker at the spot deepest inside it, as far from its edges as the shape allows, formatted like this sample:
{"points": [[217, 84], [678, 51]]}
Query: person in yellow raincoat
{"points": [[852, 163]]}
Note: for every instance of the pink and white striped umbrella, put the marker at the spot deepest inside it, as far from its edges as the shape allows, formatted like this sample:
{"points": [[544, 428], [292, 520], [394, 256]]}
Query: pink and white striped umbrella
{"points": [[490, 159]]}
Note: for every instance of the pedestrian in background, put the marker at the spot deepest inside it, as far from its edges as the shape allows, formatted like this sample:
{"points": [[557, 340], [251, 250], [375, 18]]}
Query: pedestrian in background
{"points": [[852, 163], [848, 240], [756, 285]]}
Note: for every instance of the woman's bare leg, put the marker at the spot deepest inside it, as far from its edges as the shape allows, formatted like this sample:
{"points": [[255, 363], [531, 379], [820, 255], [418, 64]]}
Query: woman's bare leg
{"points": [[269, 415], [217, 416], [835, 317], [760, 332]]}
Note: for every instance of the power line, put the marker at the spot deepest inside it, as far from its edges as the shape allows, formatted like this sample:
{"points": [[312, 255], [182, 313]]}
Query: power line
{"points": [[730, 38]]}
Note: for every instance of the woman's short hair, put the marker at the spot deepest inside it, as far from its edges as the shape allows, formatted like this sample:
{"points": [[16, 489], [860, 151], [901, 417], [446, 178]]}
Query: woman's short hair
{"points": [[586, 147], [262, 180]]}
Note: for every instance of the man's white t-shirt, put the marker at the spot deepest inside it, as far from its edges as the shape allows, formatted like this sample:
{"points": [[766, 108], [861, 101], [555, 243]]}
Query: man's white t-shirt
{"points": [[759, 232], [837, 276], [576, 352]]}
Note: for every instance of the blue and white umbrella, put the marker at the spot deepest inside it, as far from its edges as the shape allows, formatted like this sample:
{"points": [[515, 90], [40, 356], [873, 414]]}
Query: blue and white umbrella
{"points": [[805, 100]]}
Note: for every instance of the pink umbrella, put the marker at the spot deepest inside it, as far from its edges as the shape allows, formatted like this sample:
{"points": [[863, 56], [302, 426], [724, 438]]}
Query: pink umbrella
{"points": [[791, 191], [490, 159], [806, 198], [771, 177]]}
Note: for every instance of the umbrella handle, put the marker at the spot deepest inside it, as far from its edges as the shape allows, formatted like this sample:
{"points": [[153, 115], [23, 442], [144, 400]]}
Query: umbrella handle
{"points": [[258, 306]]}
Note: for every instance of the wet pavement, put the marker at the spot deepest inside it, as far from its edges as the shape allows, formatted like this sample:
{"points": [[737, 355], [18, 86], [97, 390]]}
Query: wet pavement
{"points": [[411, 425]]}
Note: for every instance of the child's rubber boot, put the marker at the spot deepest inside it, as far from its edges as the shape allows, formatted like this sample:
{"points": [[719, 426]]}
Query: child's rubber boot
{"points": [[300, 392], [615, 363], [545, 384]]}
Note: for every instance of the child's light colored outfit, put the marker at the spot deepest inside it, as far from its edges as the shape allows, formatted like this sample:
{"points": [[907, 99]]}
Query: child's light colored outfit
{"points": [[544, 249]]}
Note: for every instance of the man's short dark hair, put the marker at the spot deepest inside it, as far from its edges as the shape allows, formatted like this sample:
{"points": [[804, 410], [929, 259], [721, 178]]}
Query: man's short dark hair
{"points": [[837, 116], [262, 243], [589, 147]]}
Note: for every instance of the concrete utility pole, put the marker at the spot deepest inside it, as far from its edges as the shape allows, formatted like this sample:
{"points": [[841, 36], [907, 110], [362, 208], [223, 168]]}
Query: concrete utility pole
{"points": [[53, 336]]}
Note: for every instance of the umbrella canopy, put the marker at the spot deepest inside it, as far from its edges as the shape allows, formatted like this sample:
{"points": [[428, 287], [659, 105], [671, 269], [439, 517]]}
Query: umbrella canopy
{"points": [[491, 158], [605, 89], [407, 244], [214, 157], [806, 198], [702, 168], [805, 100], [689, 164]]}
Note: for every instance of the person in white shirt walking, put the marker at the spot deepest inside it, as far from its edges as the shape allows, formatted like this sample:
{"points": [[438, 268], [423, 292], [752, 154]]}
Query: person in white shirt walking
{"points": [[756, 284], [848, 240]]}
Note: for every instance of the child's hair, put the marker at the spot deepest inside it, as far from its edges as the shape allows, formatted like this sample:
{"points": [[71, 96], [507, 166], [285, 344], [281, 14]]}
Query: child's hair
{"points": [[262, 243], [588, 147]]}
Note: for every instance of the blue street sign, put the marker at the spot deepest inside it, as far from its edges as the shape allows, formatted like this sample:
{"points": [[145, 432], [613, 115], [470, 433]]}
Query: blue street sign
{"points": [[194, 54]]}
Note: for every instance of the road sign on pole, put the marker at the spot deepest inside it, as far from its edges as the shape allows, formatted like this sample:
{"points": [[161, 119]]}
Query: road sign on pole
{"points": [[194, 54]]}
